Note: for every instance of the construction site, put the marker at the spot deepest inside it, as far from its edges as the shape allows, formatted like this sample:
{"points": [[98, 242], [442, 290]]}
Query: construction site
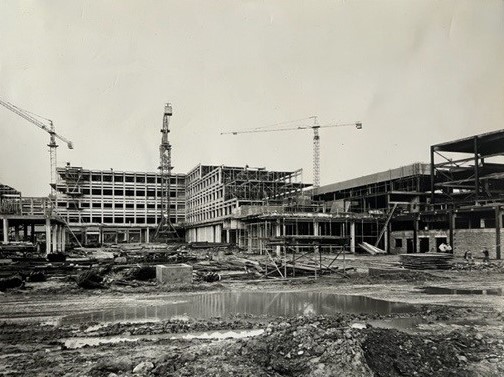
{"points": [[245, 271]]}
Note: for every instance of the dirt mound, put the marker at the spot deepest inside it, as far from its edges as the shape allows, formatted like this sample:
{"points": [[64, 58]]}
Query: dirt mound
{"points": [[295, 347], [391, 353]]}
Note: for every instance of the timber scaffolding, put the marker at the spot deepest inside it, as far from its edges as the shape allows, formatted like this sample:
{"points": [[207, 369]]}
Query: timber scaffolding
{"points": [[301, 240]]}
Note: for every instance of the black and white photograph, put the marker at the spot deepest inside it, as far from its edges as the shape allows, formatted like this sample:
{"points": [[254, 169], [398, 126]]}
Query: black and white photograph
{"points": [[252, 188]]}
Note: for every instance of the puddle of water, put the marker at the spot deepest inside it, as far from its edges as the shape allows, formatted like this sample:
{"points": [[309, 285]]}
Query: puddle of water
{"points": [[462, 291], [79, 342], [222, 304]]}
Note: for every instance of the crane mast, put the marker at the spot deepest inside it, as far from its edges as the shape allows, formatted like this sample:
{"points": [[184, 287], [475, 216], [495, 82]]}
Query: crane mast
{"points": [[49, 128], [165, 227], [316, 153]]}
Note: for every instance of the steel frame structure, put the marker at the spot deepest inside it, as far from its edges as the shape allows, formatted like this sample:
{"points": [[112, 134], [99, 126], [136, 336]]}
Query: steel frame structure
{"points": [[461, 173]]}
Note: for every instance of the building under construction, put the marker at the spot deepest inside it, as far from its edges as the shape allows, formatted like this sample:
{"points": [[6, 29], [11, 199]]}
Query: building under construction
{"points": [[216, 195], [108, 206], [455, 200], [30, 222]]}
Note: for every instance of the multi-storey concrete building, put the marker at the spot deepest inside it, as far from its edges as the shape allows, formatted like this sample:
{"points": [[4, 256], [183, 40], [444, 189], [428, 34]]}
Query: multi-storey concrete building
{"points": [[108, 206], [215, 193]]}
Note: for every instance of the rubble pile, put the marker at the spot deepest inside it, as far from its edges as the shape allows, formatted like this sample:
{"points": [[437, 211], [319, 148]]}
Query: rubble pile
{"points": [[302, 346], [323, 346], [477, 266]]}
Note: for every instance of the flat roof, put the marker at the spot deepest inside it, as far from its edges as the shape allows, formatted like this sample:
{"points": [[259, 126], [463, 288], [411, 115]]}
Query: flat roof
{"points": [[111, 171], [488, 143], [417, 168]]}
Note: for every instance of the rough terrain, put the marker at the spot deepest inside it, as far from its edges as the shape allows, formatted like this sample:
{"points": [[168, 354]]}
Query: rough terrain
{"points": [[447, 335]]}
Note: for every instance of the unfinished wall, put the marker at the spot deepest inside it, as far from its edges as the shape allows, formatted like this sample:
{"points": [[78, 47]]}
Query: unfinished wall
{"points": [[399, 240], [474, 240]]}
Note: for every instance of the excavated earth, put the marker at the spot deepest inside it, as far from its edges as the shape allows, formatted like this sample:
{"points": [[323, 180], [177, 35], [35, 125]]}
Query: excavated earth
{"points": [[446, 334]]}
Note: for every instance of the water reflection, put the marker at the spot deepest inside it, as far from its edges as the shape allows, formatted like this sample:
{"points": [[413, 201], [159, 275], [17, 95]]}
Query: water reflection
{"points": [[221, 304]]}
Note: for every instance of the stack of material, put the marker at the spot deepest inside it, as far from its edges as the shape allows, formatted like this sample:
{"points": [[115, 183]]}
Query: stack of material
{"points": [[427, 261], [373, 250]]}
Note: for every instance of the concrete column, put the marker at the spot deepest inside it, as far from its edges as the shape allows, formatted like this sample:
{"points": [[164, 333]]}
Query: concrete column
{"points": [[415, 235], [451, 221], [54, 241], [277, 234], [316, 228], [5, 230], [498, 226], [227, 236], [63, 239], [48, 235], [60, 238], [386, 240], [352, 237]]}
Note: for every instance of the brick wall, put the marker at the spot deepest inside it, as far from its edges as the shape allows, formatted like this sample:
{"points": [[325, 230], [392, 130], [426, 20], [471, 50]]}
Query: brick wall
{"points": [[474, 240]]}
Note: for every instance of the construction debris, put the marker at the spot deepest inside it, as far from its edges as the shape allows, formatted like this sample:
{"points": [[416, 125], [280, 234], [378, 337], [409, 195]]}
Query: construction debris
{"points": [[15, 281], [373, 250], [427, 261], [90, 280]]}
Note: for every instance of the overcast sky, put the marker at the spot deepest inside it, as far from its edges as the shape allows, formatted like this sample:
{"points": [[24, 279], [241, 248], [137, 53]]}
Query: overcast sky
{"points": [[415, 73]]}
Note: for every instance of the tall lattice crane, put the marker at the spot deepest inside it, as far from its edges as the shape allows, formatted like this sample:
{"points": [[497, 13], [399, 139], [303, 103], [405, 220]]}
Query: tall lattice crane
{"points": [[47, 127], [316, 138], [165, 229]]}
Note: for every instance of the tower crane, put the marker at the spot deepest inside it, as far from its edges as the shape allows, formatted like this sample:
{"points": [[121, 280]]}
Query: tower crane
{"points": [[166, 229], [47, 127], [316, 138]]}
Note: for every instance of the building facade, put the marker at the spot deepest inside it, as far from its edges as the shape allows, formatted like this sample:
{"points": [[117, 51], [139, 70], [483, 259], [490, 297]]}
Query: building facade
{"points": [[108, 206], [214, 194]]}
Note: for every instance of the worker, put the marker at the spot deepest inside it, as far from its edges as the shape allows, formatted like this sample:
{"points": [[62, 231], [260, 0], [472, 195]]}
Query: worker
{"points": [[469, 258], [486, 256]]}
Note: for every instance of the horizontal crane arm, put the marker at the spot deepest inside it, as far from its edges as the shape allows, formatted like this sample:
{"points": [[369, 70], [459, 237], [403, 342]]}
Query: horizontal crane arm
{"points": [[24, 114], [355, 124], [253, 131]]}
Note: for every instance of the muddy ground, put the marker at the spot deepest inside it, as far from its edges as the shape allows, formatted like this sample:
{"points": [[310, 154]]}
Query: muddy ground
{"points": [[446, 335]]}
